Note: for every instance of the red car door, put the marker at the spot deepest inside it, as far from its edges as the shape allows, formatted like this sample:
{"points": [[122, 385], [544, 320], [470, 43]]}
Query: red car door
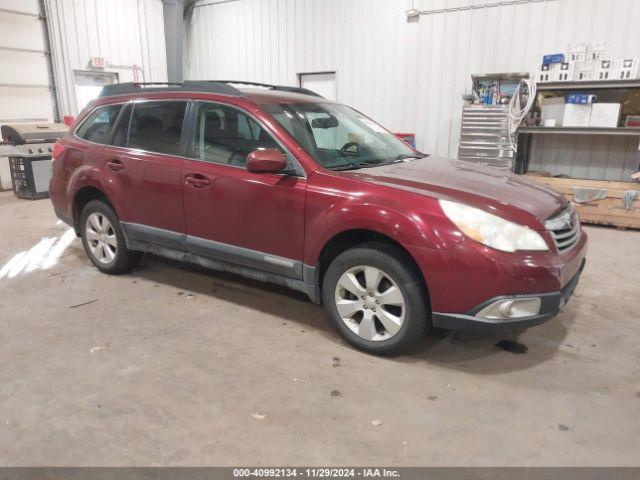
{"points": [[233, 215], [145, 162]]}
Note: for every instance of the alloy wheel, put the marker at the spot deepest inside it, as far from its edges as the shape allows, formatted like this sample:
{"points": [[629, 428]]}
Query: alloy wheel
{"points": [[370, 303], [101, 238]]}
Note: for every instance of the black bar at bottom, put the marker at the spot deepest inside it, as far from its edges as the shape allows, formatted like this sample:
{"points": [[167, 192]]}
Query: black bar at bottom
{"points": [[405, 473]]}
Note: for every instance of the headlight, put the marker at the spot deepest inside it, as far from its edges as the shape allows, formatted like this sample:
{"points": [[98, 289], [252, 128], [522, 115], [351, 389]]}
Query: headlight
{"points": [[491, 230]]}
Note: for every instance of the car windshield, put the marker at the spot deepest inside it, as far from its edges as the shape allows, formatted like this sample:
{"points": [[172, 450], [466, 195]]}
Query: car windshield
{"points": [[338, 137]]}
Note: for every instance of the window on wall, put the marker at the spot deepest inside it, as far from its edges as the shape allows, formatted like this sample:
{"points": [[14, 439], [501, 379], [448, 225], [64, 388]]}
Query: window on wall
{"points": [[226, 135], [157, 126], [97, 127]]}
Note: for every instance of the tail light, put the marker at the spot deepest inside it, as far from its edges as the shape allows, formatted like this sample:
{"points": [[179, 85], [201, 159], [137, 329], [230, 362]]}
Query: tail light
{"points": [[58, 149]]}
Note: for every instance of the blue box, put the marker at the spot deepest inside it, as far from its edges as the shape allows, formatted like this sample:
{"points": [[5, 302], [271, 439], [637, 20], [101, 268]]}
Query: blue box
{"points": [[580, 98], [553, 58]]}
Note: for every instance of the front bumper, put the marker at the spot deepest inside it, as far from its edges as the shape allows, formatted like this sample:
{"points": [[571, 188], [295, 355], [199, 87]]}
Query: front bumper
{"points": [[551, 304]]}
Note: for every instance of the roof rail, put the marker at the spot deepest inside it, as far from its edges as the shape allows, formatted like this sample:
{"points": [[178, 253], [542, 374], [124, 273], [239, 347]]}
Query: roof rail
{"points": [[191, 85], [212, 86], [282, 88]]}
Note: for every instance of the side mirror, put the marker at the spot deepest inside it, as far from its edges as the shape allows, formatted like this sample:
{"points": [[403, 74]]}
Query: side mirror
{"points": [[267, 160]]}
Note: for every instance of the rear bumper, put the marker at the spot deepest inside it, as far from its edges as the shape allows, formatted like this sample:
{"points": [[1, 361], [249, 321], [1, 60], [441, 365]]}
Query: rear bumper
{"points": [[551, 304], [65, 218]]}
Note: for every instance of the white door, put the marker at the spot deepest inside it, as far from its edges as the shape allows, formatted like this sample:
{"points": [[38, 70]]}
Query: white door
{"points": [[89, 85], [323, 83]]}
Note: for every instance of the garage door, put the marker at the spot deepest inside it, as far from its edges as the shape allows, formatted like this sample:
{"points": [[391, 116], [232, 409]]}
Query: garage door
{"points": [[25, 90]]}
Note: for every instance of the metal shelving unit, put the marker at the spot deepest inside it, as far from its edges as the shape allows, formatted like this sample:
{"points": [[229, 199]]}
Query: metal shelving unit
{"points": [[588, 85], [580, 130], [609, 210]]}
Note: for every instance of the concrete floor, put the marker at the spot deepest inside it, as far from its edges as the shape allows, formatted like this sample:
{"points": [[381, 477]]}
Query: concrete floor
{"points": [[172, 365]]}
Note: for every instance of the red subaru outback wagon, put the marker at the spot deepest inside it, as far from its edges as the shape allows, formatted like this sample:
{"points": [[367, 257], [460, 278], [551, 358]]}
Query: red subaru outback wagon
{"points": [[278, 184]]}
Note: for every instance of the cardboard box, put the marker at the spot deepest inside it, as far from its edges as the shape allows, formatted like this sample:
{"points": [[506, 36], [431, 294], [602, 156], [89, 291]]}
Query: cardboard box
{"points": [[589, 65], [606, 70], [605, 75], [566, 72], [544, 76], [597, 51], [552, 108], [632, 121], [576, 115], [576, 57], [594, 55], [604, 115], [584, 75], [627, 68], [576, 52], [577, 47], [584, 70]]}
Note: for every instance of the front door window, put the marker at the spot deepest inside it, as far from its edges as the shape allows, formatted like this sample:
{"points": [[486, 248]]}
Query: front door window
{"points": [[225, 135]]}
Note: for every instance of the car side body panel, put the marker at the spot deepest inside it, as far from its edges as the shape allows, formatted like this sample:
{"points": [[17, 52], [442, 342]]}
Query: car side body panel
{"points": [[337, 203], [74, 171], [262, 212], [148, 187]]}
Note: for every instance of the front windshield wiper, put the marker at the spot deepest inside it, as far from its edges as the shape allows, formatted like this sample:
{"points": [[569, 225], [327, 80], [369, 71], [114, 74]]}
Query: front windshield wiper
{"points": [[356, 165], [406, 156], [371, 163]]}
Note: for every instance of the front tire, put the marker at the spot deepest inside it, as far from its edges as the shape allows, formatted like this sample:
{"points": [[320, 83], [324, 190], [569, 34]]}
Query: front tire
{"points": [[103, 240], [376, 299]]}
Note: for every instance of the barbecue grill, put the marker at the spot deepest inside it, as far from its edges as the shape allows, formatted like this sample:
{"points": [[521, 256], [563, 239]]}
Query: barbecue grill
{"points": [[29, 147]]}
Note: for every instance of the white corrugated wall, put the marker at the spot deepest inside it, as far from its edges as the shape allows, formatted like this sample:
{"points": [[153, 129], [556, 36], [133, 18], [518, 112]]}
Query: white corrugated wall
{"points": [[123, 32], [408, 75], [25, 86]]}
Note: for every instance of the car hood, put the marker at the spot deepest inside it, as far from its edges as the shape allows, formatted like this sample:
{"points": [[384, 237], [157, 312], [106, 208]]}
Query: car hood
{"points": [[511, 196]]}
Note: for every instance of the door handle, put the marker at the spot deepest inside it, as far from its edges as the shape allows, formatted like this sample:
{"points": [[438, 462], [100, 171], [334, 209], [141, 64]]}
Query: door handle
{"points": [[115, 164], [197, 180]]}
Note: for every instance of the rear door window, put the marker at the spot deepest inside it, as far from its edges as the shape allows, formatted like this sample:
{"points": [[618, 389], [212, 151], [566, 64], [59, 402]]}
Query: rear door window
{"points": [[157, 126], [98, 126]]}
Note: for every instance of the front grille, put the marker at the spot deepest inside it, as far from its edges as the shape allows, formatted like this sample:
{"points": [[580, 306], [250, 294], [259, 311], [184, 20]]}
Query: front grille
{"points": [[564, 228]]}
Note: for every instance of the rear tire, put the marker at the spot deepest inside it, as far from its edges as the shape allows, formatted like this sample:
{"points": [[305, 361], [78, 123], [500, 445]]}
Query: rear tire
{"points": [[103, 240], [376, 298]]}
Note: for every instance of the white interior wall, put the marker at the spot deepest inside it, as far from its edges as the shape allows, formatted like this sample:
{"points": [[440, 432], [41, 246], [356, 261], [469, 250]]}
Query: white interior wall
{"points": [[25, 90], [410, 76], [123, 32]]}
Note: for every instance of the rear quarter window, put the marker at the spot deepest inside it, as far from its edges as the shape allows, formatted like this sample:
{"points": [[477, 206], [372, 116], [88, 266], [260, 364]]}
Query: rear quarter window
{"points": [[98, 126]]}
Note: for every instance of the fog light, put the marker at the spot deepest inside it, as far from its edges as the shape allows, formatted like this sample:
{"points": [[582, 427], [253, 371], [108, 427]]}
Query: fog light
{"points": [[511, 308]]}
